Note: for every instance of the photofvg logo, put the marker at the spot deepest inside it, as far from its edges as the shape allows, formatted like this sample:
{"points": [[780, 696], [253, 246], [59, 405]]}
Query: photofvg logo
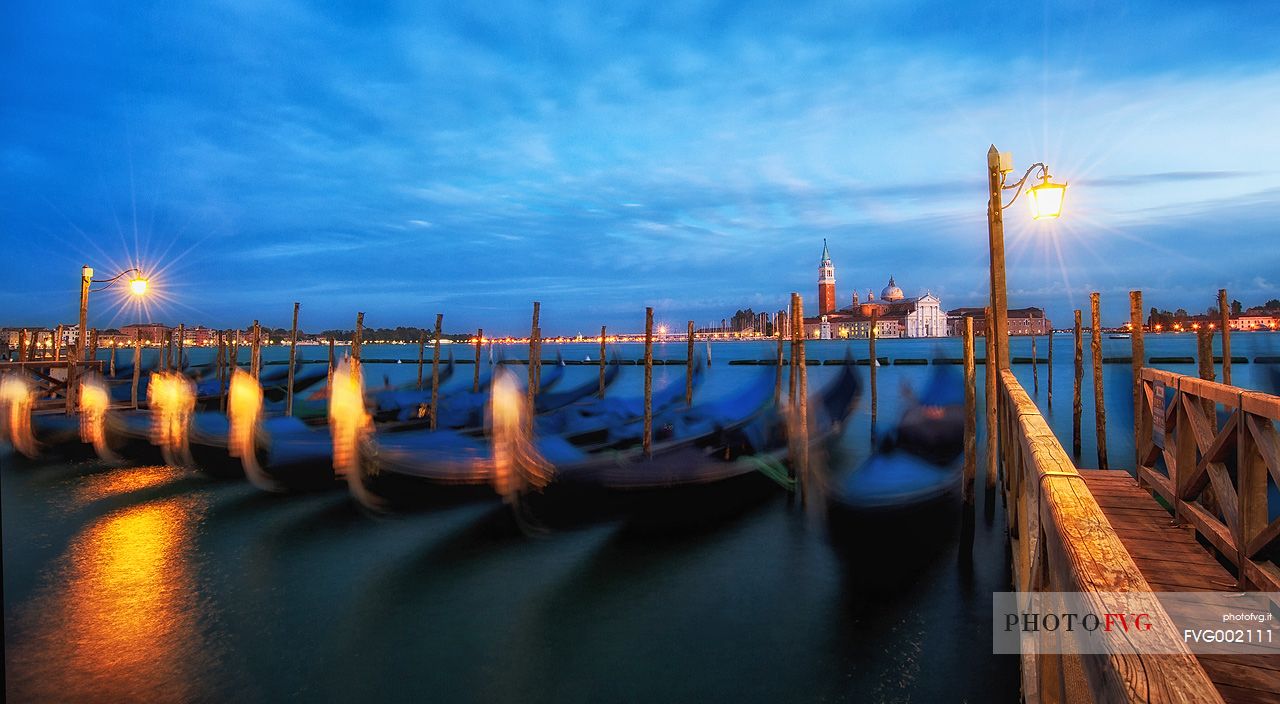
{"points": [[1160, 622], [1031, 622]]}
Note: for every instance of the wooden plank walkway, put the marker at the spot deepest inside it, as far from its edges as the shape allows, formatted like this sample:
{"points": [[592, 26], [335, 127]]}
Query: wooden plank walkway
{"points": [[1172, 560]]}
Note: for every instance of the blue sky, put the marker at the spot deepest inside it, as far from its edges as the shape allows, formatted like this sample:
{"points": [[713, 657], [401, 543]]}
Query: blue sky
{"points": [[405, 159]]}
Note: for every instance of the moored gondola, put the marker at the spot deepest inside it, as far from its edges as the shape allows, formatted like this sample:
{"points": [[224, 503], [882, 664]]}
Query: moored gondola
{"points": [[711, 465], [904, 499]]}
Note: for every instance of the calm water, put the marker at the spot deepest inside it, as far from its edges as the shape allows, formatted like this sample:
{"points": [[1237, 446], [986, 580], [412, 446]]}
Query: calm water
{"points": [[158, 584]]}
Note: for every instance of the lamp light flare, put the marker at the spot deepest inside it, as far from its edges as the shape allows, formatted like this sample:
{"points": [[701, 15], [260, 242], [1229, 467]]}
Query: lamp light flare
{"points": [[16, 400], [138, 286]]}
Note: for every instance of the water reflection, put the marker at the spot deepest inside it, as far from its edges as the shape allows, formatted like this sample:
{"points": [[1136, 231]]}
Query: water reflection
{"points": [[95, 487], [119, 620]]}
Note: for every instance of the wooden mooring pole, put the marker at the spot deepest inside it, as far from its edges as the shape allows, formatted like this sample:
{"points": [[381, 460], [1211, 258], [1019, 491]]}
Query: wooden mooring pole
{"points": [[112, 361], [791, 367], [422, 345], [802, 406], [777, 380], [970, 413], [530, 387], [293, 359], [234, 362], [1095, 349], [435, 371], [648, 381], [993, 429], [182, 346], [688, 370], [1076, 407], [137, 366], [221, 364], [355, 339], [602, 360], [1204, 355], [1035, 368], [533, 353], [1224, 315], [1137, 355], [535, 345], [1049, 390], [331, 362], [475, 378], [57, 344], [255, 352], [872, 334]]}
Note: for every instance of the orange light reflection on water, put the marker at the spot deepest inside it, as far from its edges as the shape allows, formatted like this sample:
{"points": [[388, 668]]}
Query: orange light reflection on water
{"points": [[120, 620], [93, 487]]}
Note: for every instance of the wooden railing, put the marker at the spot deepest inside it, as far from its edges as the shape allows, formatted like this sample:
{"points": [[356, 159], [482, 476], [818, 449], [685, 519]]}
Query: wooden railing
{"points": [[1062, 542], [1207, 449]]}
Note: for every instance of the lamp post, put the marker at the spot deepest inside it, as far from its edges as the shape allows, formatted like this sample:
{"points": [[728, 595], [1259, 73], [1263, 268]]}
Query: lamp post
{"points": [[137, 286], [1045, 199]]}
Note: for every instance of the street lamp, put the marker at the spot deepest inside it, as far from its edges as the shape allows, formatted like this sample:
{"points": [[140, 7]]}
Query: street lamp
{"points": [[137, 286], [1045, 199]]}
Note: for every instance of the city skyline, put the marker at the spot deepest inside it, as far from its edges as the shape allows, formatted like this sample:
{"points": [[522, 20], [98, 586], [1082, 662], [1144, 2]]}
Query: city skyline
{"points": [[405, 161]]}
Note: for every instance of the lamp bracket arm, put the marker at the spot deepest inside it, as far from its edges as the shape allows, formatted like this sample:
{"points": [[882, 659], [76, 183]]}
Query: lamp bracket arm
{"points": [[1044, 171], [117, 277]]}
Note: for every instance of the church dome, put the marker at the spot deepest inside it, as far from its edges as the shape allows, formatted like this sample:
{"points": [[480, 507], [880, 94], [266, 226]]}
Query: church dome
{"points": [[891, 292]]}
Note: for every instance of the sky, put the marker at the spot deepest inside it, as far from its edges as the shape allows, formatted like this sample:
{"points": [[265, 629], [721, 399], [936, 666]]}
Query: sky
{"points": [[407, 159]]}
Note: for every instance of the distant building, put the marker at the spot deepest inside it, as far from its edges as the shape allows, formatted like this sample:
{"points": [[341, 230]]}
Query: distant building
{"points": [[113, 338], [894, 315], [151, 333], [199, 336], [826, 283], [1022, 321], [70, 334], [1256, 319]]}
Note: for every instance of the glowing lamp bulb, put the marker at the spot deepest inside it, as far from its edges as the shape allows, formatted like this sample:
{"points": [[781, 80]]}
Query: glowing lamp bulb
{"points": [[1046, 199], [138, 285]]}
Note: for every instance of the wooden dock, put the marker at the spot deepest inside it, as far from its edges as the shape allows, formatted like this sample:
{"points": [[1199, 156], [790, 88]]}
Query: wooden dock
{"points": [[1206, 451], [1173, 560]]}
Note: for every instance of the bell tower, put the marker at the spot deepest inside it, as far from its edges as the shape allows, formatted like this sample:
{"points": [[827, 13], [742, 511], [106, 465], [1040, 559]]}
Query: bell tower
{"points": [[826, 283]]}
